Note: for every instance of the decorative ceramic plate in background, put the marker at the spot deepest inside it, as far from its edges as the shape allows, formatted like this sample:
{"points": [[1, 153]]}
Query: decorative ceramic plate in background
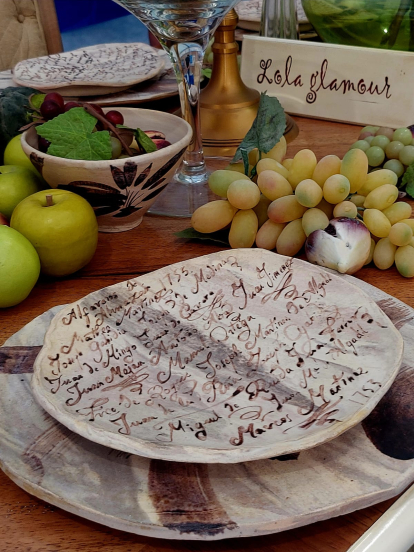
{"points": [[163, 85], [235, 356], [94, 70]]}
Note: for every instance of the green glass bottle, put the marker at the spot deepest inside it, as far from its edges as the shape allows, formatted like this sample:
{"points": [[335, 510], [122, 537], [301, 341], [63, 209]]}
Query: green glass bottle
{"points": [[372, 23]]}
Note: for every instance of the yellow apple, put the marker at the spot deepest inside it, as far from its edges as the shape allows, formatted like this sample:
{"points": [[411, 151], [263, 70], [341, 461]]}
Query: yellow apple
{"points": [[19, 267], [63, 229], [16, 183]]}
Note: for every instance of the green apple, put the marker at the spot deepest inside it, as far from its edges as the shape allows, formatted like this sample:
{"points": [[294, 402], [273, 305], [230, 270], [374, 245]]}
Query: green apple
{"points": [[16, 183], [61, 226], [19, 267], [14, 155]]}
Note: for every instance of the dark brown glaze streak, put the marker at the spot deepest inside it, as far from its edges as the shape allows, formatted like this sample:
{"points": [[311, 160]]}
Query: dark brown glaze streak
{"points": [[390, 426], [185, 500], [45, 444], [18, 360], [398, 314]]}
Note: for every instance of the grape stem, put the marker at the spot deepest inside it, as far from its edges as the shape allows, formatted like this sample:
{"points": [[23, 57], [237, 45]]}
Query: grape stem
{"points": [[107, 125]]}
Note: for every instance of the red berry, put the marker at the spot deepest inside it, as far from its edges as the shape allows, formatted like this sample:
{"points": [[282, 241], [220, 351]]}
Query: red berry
{"points": [[98, 109], [115, 117], [43, 144], [50, 109], [71, 105], [55, 97]]}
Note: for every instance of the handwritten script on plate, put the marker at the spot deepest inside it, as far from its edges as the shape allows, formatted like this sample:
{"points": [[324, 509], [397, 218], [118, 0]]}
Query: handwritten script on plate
{"points": [[234, 356]]}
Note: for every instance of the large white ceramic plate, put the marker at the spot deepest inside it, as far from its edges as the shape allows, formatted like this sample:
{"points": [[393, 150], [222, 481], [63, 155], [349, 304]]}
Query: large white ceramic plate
{"points": [[93, 70], [368, 464], [235, 356]]}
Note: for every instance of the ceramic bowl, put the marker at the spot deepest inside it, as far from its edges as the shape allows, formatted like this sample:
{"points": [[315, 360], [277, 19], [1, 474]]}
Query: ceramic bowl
{"points": [[120, 190]]}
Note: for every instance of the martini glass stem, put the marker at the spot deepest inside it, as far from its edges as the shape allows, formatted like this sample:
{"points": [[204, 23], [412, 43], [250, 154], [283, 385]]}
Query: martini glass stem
{"points": [[187, 60]]}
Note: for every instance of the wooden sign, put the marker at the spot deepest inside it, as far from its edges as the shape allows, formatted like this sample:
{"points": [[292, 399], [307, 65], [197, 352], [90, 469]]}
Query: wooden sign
{"points": [[239, 355], [329, 81]]}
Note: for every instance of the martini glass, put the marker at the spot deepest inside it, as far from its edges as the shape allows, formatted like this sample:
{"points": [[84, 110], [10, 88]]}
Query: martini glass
{"points": [[184, 28]]}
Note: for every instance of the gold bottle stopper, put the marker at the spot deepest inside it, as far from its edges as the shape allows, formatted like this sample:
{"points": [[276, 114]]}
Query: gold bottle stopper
{"points": [[227, 106]]}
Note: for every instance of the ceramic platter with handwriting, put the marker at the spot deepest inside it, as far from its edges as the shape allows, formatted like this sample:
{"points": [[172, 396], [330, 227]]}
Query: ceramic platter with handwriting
{"points": [[235, 356]]}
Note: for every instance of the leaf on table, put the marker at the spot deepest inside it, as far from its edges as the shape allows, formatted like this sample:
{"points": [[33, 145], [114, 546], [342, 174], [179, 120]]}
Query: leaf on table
{"points": [[71, 136], [266, 131], [408, 181], [14, 103], [221, 237]]}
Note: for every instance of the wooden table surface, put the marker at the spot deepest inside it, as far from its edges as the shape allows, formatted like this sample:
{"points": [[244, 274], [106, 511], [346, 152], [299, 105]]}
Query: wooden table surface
{"points": [[30, 525]]}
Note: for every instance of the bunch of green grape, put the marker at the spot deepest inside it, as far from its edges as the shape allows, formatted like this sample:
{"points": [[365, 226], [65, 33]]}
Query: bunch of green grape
{"points": [[291, 198], [389, 148]]}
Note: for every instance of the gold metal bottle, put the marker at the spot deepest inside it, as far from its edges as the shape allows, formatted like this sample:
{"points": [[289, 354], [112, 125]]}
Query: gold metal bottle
{"points": [[227, 106]]}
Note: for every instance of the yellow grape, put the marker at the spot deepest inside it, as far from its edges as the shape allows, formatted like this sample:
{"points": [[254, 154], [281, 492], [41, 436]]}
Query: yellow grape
{"points": [[355, 167], [376, 179], [243, 194], [377, 223], [381, 197], [326, 207], [285, 209], [287, 163], [291, 239], [213, 216], [314, 219], [345, 209], [236, 167], [273, 185], [357, 200], [308, 193], [268, 163], [268, 234], [219, 181], [384, 254], [278, 151], [410, 223], [243, 229], [303, 165], [261, 209], [371, 252], [400, 234], [404, 261], [326, 167], [412, 242], [336, 188], [398, 211]]}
